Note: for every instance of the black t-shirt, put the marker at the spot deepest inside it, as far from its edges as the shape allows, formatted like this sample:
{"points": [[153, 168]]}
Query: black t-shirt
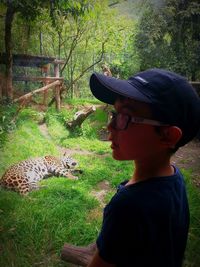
{"points": [[146, 224]]}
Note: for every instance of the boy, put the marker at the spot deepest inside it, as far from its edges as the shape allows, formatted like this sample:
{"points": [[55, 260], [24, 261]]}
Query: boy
{"points": [[146, 222]]}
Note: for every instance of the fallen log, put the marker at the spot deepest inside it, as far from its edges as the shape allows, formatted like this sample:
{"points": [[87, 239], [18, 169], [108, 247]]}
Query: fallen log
{"points": [[78, 255], [79, 118]]}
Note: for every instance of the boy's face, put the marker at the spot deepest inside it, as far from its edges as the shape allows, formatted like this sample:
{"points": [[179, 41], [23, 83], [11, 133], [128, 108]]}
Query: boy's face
{"points": [[136, 141]]}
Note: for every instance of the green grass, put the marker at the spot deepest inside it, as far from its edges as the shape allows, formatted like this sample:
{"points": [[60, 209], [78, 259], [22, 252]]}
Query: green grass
{"points": [[34, 228], [27, 141], [193, 246], [82, 101]]}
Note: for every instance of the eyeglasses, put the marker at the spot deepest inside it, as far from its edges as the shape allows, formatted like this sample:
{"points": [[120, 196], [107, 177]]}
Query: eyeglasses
{"points": [[120, 121]]}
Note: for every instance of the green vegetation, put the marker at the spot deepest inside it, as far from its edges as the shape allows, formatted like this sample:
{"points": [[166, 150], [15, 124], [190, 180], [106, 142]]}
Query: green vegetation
{"points": [[170, 37], [34, 228], [127, 36], [192, 258]]}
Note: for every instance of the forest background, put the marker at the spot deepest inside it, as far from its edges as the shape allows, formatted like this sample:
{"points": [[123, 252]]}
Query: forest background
{"points": [[126, 36]]}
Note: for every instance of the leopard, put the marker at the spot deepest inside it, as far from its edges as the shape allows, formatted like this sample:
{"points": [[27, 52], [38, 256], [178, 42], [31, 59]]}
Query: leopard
{"points": [[24, 176]]}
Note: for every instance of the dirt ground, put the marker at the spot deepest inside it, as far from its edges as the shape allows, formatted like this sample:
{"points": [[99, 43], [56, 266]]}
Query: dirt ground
{"points": [[188, 157]]}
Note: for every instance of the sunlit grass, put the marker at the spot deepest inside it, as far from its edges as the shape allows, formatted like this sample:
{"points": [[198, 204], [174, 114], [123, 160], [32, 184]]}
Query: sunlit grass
{"points": [[193, 245], [81, 143], [82, 101], [27, 141], [35, 227]]}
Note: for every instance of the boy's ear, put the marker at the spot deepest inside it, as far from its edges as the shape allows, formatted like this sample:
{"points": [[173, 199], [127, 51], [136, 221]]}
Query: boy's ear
{"points": [[170, 135]]}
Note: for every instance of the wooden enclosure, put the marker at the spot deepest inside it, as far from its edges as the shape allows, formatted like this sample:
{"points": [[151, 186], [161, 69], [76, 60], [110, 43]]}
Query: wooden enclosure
{"points": [[48, 80]]}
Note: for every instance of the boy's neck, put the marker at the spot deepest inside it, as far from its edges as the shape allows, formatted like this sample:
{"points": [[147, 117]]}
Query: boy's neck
{"points": [[144, 171]]}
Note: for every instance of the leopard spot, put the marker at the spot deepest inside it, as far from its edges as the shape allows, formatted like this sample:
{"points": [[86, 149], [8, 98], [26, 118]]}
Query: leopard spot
{"points": [[15, 183], [8, 181]]}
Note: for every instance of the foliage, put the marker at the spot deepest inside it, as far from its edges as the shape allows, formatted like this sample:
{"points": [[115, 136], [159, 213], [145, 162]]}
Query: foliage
{"points": [[89, 129], [192, 258], [170, 37], [26, 141], [7, 124], [11, 117], [84, 35], [30, 114]]}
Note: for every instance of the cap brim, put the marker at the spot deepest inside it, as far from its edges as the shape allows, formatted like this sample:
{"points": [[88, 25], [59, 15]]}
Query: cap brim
{"points": [[108, 89]]}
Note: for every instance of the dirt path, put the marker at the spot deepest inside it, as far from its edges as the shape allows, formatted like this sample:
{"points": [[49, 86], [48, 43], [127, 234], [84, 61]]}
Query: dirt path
{"points": [[44, 130]]}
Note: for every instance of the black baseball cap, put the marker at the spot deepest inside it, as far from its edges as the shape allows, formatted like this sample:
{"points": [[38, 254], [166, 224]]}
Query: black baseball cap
{"points": [[172, 99]]}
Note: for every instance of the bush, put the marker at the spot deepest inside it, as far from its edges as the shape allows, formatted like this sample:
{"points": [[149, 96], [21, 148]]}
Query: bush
{"points": [[7, 122]]}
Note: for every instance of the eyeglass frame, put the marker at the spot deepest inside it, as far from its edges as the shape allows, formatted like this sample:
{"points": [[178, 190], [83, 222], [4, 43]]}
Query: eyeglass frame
{"points": [[132, 119]]}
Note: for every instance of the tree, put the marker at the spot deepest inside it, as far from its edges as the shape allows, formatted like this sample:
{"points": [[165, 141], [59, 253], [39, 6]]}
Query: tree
{"points": [[85, 33], [170, 37], [8, 48], [29, 10]]}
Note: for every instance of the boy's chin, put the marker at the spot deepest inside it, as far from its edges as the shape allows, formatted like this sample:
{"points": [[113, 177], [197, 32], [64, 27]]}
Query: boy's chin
{"points": [[118, 156]]}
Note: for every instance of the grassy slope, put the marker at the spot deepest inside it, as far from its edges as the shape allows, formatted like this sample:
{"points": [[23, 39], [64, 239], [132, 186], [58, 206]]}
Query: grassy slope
{"points": [[34, 228]]}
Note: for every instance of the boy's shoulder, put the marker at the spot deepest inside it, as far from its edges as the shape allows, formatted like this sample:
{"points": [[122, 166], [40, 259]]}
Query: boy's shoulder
{"points": [[156, 190]]}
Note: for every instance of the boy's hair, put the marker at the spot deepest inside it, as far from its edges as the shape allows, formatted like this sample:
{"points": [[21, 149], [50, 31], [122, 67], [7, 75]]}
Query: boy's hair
{"points": [[172, 99]]}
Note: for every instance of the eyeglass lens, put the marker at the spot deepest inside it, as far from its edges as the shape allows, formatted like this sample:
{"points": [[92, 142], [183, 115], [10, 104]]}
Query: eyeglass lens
{"points": [[119, 121]]}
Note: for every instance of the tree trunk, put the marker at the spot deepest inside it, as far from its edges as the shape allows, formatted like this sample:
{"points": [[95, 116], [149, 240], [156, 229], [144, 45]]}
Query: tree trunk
{"points": [[8, 47], [41, 43], [58, 87]]}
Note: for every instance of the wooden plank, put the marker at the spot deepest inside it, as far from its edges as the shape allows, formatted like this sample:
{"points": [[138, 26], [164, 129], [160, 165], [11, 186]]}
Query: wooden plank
{"points": [[30, 61], [80, 256], [58, 61], [36, 79], [46, 87]]}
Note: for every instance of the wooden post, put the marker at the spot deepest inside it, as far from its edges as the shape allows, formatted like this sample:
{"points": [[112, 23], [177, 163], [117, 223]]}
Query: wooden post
{"points": [[57, 88], [45, 70], [78, 255]]}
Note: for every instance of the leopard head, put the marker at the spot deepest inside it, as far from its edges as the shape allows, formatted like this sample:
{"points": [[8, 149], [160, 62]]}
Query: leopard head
{"points": [[69, 162]]}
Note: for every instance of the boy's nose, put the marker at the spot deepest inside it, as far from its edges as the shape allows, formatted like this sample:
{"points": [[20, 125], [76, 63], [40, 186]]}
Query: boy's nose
{"points": [[111, 130], [110, 126]]}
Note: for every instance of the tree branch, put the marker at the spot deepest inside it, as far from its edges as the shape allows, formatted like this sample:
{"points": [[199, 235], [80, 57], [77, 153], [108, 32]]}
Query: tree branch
{"points": [[86, 69], [73, 45]]}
